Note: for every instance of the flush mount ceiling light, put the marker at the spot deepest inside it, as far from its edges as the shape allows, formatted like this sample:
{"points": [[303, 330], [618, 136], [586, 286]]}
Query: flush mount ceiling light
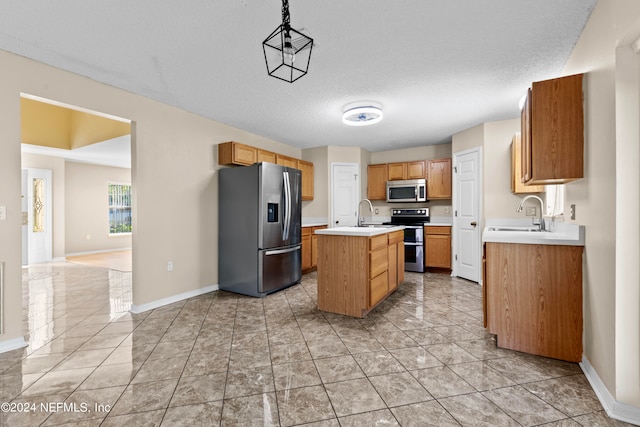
{"points": [[287, 52], [362, 114]]}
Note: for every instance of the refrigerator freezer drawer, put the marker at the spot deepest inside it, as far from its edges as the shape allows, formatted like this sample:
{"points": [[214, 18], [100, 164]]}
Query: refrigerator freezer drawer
{"points": [[279, 268]]}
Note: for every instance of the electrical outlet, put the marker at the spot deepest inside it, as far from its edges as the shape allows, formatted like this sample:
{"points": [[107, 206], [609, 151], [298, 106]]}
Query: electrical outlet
{"points": [[3, 213], [447, 209], [377, 211], [573, 211], [169, 265], [531, 211]]}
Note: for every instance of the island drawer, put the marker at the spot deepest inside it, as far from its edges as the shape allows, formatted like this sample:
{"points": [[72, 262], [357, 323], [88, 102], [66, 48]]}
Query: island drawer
{"points": [[378, 261], [395, 237], [378, 241]]}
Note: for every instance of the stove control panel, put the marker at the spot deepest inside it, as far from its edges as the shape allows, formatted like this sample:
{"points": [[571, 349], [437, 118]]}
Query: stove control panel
{"points": [[415, 213]]}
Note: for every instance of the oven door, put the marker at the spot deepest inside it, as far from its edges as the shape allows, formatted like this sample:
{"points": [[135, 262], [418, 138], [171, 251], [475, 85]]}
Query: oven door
{"points": [[414, 257], [413, 234]]}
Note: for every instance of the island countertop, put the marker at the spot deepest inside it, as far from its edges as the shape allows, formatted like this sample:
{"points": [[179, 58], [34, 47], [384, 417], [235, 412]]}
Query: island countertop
{"points": [[360, 231]]}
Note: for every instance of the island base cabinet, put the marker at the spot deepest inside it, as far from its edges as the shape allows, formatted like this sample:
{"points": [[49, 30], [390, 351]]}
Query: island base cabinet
{"points": [[356, 273], [533, 298]]}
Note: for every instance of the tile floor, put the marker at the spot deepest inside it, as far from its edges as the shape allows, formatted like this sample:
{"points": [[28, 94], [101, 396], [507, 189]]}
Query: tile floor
{"points": [[422, 358]]}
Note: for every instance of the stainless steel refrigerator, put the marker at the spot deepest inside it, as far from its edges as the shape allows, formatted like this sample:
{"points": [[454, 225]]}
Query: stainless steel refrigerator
{"points": [[259, 234]]}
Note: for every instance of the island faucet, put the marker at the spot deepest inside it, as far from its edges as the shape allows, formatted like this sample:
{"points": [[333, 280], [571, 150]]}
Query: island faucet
{"points": [[359, 222], [540, 224]]}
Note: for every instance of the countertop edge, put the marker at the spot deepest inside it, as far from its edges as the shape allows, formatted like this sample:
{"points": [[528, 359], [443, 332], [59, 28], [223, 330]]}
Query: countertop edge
{"points": [[358, 231]]}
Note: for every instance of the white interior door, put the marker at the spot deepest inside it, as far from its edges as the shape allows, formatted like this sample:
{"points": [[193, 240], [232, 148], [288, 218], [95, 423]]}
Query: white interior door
{"points": [[466, 219], [345, 194], [39, 216]]}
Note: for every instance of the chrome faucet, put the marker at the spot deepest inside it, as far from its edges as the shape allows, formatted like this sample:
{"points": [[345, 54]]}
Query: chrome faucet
{"points": [[540, 223], [359, 222]]}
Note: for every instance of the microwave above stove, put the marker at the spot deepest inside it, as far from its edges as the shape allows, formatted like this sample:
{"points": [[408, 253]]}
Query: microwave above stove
{"points": [[407, 191]]}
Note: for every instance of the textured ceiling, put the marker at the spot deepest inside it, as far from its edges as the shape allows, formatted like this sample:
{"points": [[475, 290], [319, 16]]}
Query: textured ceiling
{"points": [[437, 67]]}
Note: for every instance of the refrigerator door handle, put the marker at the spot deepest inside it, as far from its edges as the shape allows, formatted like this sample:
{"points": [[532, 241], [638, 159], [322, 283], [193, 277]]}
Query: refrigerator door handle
{"points": [[287, 202], [283, 251]]}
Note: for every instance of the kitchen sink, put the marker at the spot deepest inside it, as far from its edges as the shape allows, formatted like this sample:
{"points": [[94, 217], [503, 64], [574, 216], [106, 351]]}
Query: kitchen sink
{"points": [[502, 228]]}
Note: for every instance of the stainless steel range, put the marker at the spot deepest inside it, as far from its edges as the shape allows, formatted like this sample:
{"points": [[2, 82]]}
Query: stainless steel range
{"points": [[414, 221]]}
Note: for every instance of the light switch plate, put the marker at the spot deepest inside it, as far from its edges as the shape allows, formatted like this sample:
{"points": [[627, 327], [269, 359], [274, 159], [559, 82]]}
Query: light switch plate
{"points": [[3, 213]]}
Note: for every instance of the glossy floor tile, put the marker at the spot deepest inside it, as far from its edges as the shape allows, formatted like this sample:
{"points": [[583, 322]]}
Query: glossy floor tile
{"points": [[421, 358]]}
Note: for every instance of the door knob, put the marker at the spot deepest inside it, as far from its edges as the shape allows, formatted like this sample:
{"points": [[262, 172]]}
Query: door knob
{"points": [[474, 223], [337, 222]]}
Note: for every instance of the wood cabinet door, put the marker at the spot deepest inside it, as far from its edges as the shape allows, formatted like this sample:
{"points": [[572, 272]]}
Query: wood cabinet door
{"points": [[377, 182], [534, 298], [286, 161], [397, 171], [306, 252], [393, 266], [307, 179], [266, 156], [417, 170], [525, 136], [244, 154], [517, 186], [439, 179], [438, 250], [314, 245], [556, 120]]}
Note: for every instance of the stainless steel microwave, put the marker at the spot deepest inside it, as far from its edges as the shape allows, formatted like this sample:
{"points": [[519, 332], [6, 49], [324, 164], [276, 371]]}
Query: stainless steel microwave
{"points": [[408, 190]]}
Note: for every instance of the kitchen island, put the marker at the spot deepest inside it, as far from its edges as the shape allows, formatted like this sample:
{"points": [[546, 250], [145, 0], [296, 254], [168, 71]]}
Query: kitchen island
{"points": [[358, 267]]}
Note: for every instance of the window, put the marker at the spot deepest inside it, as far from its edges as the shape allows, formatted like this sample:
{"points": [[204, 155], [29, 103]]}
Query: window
{"points": [[555, 200], [119, 208]]}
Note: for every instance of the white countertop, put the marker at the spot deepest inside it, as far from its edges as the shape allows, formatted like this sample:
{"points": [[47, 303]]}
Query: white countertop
{"points": [[437, 224], [359, 231], [314, 224], [560, 234]]}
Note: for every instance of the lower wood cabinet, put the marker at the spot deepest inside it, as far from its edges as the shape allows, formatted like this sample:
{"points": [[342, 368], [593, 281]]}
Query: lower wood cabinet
{"points": [[310, 248], [437, 246], [356, 273], [532, 298]]}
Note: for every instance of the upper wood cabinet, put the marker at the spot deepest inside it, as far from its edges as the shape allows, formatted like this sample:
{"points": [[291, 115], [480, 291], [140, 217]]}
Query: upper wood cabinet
{"points": [[266, 156], [397, 171], [439, 179], [552, 123], [417, 170], [517, 186], [407, 170], [377, 176], [235, 153], [307, 179], [286, 161]]}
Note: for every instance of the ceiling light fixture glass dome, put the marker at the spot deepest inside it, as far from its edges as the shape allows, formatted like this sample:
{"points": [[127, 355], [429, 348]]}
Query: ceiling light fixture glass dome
{"points": [[362, 114]]}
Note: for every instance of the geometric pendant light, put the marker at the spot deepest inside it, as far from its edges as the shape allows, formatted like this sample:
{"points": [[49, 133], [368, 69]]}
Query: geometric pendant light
{"points": [[287, 52]]}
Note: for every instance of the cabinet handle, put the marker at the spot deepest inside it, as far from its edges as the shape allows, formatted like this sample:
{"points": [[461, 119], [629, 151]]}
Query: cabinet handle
{"points": [[474, 223]]}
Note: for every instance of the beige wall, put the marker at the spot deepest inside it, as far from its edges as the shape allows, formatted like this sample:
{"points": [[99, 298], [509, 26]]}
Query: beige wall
{"points": [[87, 207], [319, 206], [609, 301], [57, 167]]}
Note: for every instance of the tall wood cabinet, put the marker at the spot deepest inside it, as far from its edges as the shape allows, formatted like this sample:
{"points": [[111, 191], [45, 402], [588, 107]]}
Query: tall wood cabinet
{"points": [[439, 179], [532, 298], [552, 123]]}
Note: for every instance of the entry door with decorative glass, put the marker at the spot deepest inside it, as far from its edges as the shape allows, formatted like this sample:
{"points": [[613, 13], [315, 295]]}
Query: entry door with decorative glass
{"points": [[39, 216]]}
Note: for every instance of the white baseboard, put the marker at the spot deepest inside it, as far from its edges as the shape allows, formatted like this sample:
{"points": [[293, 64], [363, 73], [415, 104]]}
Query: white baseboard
{"points": [[136, 309], [616, 410], [102, 251], [59, 259], [13, 344]]}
